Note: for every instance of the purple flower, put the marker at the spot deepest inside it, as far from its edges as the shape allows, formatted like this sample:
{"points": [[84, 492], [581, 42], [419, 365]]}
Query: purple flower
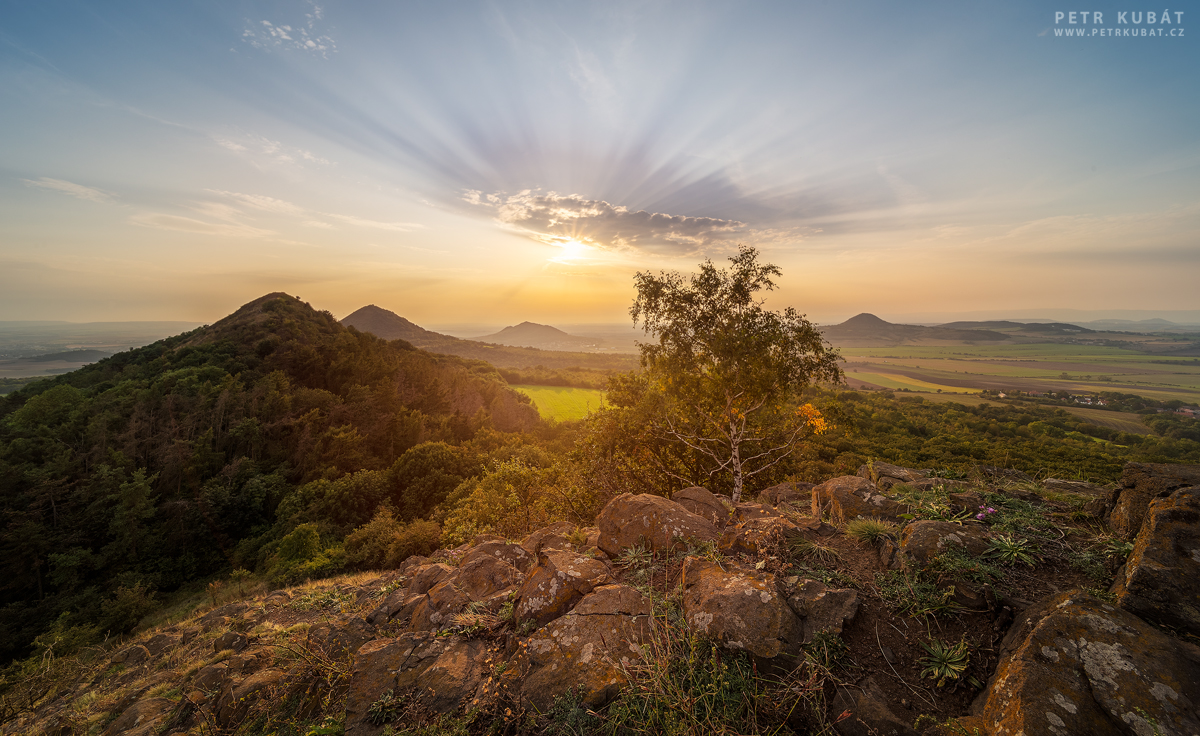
{"points": [[979, 516], [991, 510]]}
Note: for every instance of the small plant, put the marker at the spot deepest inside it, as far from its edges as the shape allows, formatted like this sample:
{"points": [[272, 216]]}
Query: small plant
{"points": [[1118, 548], [803, 548], [578, 538], [638, 556], [915, 595], [214, 591], [239, 577], [826, 650], [386, 709], [985, 511], [1009, 550], [945, 661], [872, 530]]}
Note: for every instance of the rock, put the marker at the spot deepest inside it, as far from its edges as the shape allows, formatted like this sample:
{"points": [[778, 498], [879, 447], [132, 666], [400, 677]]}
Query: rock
{"points": [[554, 536], [427, 576], [1161, 580], [822, 608], [850, 497], [1076, 487], [813, 527], [438, 607], [390, 607], [663, 524], [870, 713], [485, 576], [1141, 483], [756, 536], [160, 643], [131, 656], [211, 678], [220, 616], [233, 706], [704, 504], [559, 581], [343, 637], [277, 598], [795, 492], [1076, 665], [143, 718], [443, 672], [746, 511], [741, 609], [876, 470], [588, 649], [921, 541], [513, 554], [411, 563], [230, 640]]}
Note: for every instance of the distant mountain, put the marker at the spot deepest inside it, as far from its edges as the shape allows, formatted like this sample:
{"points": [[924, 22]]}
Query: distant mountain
{"points": [[391, 326], [867, 330], [532, 335], [1037, 328]]}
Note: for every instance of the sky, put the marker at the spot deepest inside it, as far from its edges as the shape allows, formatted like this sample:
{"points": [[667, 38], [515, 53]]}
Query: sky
{"points": [[494, 162]]}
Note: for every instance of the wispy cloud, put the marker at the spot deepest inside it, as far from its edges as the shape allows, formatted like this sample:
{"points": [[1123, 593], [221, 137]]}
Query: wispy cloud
{"points": [[179, 223], [302, 36], [263, 152], [399, 227], [261, 202], [556, 219], [71, 188]]}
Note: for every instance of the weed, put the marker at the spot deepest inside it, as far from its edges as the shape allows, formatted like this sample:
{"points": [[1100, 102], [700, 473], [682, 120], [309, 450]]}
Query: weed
{"points": [[1117, 548], [386, 709], [803, 548], [570, 716], [915, 595], [578, 538], [958, 563], [826, 650], [871, 531], [330, 598], [1090, 562], [945, 661], [823, 575], [1009, 550], [638, 556]]}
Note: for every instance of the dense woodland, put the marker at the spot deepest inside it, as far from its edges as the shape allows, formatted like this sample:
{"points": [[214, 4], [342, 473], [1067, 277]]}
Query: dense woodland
{"points": [[280, 442]]}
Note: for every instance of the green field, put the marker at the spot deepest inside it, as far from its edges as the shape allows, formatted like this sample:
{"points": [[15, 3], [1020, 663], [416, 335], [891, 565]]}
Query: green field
{"points": [[563, 404]]}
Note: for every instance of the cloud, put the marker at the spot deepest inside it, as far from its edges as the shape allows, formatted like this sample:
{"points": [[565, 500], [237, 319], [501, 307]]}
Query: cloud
{"points": [[178, 223], [399, 227], [302, 37], [555, 219], [66, 187], [262, 151], [261, 202]]}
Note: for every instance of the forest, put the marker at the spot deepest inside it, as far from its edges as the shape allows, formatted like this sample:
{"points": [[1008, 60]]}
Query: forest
{"points": [[280, 443]]}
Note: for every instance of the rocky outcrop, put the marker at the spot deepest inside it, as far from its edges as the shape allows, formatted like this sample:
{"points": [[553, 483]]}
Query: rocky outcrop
{"points": [[143, 718], [703, 504], [553, 536], [588, 650], [922, 541], [514, 554], [756, 536], [661, 524], [822, 609], [1076, 665], [1141, 483], [559, 581], [741, 609], [235, 702], [850, 497], [796, 492], [1161, 578]]}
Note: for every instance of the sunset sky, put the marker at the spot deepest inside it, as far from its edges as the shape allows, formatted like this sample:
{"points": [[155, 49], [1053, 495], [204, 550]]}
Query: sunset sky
{"points": [[492, 162]]}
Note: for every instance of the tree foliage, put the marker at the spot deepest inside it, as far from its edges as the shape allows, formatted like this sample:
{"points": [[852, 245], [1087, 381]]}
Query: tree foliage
{"points": [[727, 368]]}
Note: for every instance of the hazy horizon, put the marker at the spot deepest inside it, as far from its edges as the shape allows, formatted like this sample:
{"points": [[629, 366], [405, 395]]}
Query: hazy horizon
{"points": [[521, 161]]}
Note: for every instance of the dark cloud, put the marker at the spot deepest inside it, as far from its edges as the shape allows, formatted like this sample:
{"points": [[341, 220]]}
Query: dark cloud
{"points": [[555, 218]]}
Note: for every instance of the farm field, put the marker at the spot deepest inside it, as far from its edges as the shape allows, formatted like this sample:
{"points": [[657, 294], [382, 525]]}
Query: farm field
{"points": [[561, 403], [1026, 367]]}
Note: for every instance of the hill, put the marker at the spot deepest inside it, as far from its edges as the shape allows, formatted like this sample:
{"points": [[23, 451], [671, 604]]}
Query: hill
{"points": [[139, 474], [1031, 328], [867, 330], [391, 326], [532, 335]]}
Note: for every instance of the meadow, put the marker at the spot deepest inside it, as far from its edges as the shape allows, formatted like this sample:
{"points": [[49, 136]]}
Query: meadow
{"points": [[562, 403]]}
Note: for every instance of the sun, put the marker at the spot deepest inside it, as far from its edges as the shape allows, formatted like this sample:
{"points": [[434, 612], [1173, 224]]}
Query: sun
{"points": [[572, 250]]}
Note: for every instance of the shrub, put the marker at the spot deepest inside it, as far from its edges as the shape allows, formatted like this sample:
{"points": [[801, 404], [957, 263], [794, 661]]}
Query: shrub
{"points": [[419, 537], [367, 546], [871, 530]]}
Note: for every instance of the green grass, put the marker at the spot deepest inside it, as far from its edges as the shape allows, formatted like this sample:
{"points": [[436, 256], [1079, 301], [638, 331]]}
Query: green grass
{"points": [[561, 403]]}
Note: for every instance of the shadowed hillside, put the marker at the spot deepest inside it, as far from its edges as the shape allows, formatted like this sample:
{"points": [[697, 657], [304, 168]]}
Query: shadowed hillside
{"points": [[531, 335], [867, 330]]}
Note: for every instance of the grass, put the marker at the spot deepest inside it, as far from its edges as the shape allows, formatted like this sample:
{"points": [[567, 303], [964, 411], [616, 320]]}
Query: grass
{"points": [[561, 403], [870, 530]]}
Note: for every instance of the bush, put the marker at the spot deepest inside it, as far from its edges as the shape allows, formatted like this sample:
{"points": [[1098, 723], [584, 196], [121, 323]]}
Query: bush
{"points": [[420, 537]]}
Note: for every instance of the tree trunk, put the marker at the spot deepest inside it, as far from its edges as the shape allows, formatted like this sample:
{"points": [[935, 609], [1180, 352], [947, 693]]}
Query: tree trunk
{"points": [[736, 466]]}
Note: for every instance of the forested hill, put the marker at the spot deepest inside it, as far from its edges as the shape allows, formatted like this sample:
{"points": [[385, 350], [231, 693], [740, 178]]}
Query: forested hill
{"points": [[164, 464]]}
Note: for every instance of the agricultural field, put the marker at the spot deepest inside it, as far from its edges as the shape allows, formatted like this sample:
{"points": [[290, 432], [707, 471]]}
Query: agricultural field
{"points": [[562, 403], [1041, 367]]}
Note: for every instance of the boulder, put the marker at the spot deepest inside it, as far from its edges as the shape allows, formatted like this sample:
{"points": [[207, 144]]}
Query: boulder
{"points": [[746, 511], [821, 608], [663, 524], [211, 678], [1141, 483], [513, 554], [704, 504], [437, 607], [143, 718], [554, 536], [1161, 580], [876, 470], [849, 497], [160, 643], [342, 637], [483, 577], [794, 492], [234, 704], [589, 649], [756, 536], [442, 671], [230, 640], [1076, 665], [741, 609], [559, 581], [425, 577], [221, 616], [921, 541], [131, 656], [870, 713]]}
